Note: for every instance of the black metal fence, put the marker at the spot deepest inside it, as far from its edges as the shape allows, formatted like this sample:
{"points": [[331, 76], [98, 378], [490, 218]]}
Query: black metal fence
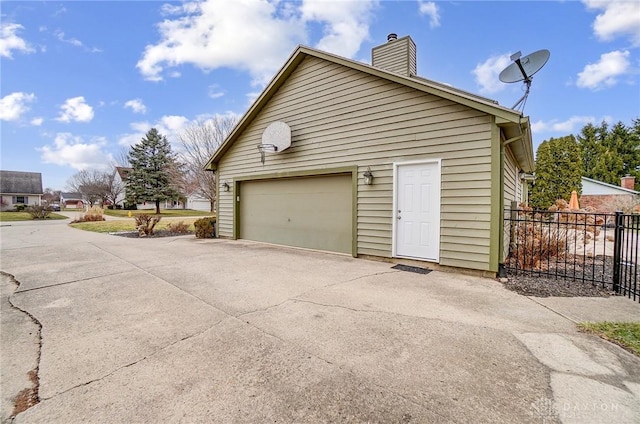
{"points": [[592, 248]]}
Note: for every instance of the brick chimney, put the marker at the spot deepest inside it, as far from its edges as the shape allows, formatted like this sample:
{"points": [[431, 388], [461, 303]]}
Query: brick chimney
{"points": [[396, 55], [628, 182]]}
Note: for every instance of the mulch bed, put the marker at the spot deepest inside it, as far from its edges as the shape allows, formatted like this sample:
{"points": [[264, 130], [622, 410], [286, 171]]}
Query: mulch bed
{"points": [[537, 283], [156, 234]]}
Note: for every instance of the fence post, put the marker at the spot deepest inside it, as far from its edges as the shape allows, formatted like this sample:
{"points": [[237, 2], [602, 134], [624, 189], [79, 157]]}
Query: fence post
{"points": [[617, 251], [513, 216]]}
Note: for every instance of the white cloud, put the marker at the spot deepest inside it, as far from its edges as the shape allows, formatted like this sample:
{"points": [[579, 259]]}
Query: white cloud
{"points": [[605, 72], [215, 92], [74, 151], [136, 105], [74, 42], [252, 35], [245, 35], [75, 109], [568, 126], [430, 9], [14, 105], [9, 40], [36, 122], [486, 73], [346, 23], [168, 125], [173, 123], [618, 18]]}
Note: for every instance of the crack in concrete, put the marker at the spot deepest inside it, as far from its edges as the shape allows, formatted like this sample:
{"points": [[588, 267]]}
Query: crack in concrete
{"points": [[33, 392], [348, 281], [165, 281], [297, 297], [68, 282], [149, 356]]}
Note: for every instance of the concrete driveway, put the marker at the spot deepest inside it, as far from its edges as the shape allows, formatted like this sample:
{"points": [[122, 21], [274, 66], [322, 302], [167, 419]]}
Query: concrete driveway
{"points": [[187, 330]]}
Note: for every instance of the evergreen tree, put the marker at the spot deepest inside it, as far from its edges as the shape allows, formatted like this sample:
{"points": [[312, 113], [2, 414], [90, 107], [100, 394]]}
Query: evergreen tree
{"points": [[611, 153], [152, 173], [558, 171], [590, 147]]}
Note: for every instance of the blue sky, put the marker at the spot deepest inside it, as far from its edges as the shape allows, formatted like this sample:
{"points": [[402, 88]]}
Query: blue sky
{"points": [[82, 80]]}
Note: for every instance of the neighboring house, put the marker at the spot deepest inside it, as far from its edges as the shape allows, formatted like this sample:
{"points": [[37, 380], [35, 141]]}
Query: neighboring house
{"points": [[608, 197], [444, 163], [121, 176], [72, 200], [198, 203], [20, 188]]}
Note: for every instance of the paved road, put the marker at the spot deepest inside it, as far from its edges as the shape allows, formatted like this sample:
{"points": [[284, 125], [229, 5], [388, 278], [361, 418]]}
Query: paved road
{"points": [[187, 330]]}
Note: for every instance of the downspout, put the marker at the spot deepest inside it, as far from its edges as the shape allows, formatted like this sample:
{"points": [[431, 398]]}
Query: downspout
{"points": [[501, 270]]}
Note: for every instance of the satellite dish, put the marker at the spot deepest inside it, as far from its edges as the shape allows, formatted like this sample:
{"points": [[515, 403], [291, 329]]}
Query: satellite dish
{"points": [[523, 69], [275, 138]]}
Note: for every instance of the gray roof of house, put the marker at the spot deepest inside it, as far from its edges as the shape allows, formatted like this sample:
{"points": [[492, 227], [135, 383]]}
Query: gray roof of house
{"points": [[16, 182], [71, 196]]}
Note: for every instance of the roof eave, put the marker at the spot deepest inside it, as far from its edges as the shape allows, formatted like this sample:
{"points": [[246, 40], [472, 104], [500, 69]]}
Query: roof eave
{"points": [[518, 136], [281, 76], [503, 115]]}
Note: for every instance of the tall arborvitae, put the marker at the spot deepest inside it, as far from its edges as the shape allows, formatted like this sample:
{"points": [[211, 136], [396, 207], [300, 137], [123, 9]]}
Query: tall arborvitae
{"points": [[152, 166], [558, 171]]}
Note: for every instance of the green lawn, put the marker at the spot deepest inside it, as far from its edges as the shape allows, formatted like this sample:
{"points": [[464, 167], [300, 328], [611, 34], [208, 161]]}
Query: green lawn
{"points": [[24, 216], [624, 334], [163, 212], [124, 225]]}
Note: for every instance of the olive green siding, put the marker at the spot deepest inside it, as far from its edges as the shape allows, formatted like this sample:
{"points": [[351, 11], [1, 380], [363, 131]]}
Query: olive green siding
{"points": [[512, 192], [342, 117]]}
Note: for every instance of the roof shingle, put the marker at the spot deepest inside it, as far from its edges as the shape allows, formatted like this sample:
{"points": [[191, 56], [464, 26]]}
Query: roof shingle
{"points": [[16, 182]]}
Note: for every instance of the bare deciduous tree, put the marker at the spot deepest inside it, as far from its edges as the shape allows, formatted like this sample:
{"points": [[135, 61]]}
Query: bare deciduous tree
{"points": [[89, 183], [50, 195], [199, 142], [96, 186]]}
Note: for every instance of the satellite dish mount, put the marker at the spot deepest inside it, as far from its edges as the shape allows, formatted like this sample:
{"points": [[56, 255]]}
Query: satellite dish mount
{"points": [[522, 69], [275, 139]]}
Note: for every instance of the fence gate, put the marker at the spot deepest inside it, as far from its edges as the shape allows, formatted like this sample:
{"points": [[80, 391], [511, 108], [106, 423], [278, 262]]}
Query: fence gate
{"points": [[625, 257]]}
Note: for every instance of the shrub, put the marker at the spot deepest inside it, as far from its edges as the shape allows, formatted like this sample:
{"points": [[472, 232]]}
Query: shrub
{"points": [[95, 213], [145, 224], [39, 212], [205, 227], [535, 244], [178, 227], [19, 208]]}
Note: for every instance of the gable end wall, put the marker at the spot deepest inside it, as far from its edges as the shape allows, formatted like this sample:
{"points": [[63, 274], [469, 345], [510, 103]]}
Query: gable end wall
{"points": [[340, 117]]}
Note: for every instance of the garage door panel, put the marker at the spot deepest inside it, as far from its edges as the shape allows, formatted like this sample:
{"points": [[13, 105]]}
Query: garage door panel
{"points": [[312, 212]]}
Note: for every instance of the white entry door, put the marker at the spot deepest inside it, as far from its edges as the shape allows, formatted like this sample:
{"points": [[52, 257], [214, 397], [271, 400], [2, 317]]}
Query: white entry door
{"points": [[417, 211]]}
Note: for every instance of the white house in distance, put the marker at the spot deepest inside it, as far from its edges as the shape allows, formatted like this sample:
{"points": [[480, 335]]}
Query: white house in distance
{"points": [[194, 201], [20, 188]]}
